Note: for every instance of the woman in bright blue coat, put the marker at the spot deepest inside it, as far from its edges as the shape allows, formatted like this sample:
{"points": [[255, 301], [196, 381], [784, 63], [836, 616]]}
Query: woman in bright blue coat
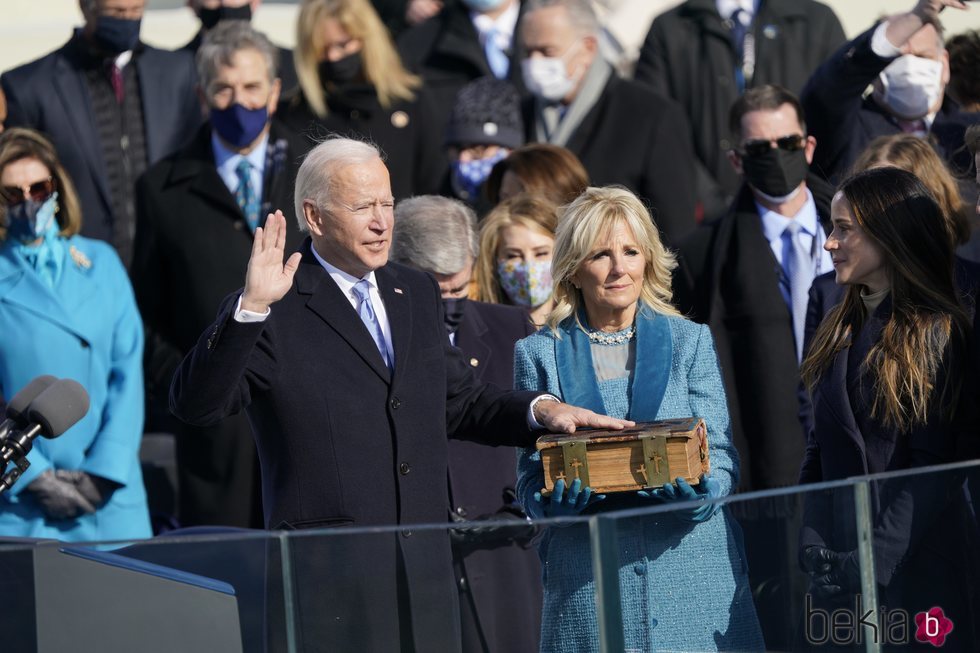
{"points": [[615, 344], [67, 309]]}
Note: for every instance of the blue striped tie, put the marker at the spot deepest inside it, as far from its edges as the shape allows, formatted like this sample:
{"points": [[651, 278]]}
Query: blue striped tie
{"points": [[247, 198], [366, 311]]}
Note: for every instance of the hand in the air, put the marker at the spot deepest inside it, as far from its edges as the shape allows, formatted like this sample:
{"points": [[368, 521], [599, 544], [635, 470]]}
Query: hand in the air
{"points": [[268, 279]]}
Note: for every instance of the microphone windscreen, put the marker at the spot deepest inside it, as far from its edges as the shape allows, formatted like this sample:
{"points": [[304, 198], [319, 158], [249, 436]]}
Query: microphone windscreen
{"points": [[20, 402], [59, 407]]}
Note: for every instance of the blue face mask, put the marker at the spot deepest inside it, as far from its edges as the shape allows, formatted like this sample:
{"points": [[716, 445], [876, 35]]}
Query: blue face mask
{"points": [[117, 35], [239, 126], [468, 176], [30, 220]]}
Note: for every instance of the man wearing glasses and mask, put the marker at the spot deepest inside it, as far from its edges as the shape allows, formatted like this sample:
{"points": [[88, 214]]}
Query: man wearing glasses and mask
{"points": [[747, 275]]}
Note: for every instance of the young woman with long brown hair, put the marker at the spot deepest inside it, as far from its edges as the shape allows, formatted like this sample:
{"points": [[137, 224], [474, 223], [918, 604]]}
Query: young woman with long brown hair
{"points": [[888, 372]]}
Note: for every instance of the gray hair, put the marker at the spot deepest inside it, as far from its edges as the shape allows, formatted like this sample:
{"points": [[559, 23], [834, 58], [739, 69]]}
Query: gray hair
{"points": [[434, 234], [580, 14], [313, 181], [224, 40]]}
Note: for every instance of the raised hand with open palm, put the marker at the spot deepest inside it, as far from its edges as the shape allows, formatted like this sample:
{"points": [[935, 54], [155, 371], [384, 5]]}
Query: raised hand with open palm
{"points": [[268, 279]]}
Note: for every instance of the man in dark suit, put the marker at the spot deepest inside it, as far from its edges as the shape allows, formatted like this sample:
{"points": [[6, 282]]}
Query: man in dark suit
{"points": [[465, 41], [351, 387], [213, 12], [747, 276], [623, 132], [905, 61], [111, 106], [193, 240], [497, 570], [704, 54]]}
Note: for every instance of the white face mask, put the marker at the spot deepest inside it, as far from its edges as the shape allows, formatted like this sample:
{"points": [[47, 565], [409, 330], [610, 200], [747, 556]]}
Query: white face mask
{"points": [[547, 77], [911, 86]]}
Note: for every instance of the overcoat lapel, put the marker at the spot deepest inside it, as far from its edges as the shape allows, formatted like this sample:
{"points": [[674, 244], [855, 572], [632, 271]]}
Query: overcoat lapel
{"points": [[199, 169], [21, 287], [833, 398], [71, 90], [328, 302], [398, 306], [470, 336], [654, 351]]}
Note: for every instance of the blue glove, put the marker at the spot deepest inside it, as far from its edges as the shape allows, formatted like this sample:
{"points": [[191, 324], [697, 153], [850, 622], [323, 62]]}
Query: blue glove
{"points": [[708, 488], [562, 504]]}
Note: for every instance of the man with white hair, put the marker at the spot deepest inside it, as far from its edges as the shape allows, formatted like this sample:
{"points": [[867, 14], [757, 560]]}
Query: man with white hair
{"points": [[341, 361], [905, 61], [622, 131]]}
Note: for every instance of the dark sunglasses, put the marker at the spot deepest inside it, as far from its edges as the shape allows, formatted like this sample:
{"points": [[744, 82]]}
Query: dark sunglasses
{"points": [[38, 191], [760, 147]]}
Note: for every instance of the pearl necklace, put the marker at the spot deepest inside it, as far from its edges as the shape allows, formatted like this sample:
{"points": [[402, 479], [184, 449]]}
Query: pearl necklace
{"points": [[618, 338]]}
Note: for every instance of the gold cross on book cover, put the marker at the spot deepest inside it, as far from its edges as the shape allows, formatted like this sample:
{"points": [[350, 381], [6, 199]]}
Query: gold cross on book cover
{"points": [[646, 456]]}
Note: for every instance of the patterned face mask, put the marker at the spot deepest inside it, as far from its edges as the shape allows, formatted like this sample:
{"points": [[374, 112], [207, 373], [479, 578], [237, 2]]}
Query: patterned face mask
{"points": [[468, 176], [526, 283]]}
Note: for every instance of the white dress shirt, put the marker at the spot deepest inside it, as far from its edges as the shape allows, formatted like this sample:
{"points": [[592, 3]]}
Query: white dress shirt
{"points": [[502, 28], [727, 7], [774, 224]]}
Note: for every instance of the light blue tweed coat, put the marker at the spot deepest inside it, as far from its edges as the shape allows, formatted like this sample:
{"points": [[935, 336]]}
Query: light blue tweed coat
{"points": [[684, 586]]}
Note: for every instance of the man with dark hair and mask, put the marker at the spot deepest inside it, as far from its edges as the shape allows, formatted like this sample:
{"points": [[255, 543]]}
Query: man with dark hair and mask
{"points": [[198, 210], [747, 276], [112, 106], [212, 12], [905, 61]]}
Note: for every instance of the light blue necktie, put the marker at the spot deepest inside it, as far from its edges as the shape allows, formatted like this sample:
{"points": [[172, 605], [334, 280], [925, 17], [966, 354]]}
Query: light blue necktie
{"points": [[799, 268], [739, 32], [496, 57], [369, 317], [247, 198]]}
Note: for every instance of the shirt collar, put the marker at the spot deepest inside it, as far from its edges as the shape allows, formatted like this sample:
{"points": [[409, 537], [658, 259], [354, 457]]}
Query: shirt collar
{"points": [[774, 224], [504, 25], [343, 280], [225, 158], [726, 7]]}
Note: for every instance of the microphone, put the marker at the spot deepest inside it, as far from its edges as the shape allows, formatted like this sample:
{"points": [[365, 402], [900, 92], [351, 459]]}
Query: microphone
{"points": [[19, 404], [53, 411]]}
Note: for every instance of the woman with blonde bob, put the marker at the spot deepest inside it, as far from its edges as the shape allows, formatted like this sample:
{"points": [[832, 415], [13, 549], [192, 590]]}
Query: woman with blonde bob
{"points": [[514, 262], [353, 83], [616, 344]]}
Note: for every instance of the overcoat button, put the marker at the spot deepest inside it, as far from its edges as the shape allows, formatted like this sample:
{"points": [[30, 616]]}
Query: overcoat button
{"points": [[396, 403], [404, 468]]}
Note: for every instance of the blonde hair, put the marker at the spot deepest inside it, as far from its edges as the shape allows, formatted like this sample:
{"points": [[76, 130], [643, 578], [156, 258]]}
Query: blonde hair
{"points": [[19, 143], [530, 211], [585, 222], [913, 154], [383, 67]]}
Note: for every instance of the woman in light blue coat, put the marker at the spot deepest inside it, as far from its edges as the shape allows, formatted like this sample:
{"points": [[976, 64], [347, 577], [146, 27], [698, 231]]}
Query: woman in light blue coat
{"points": [[67, 309], [616, 345]]}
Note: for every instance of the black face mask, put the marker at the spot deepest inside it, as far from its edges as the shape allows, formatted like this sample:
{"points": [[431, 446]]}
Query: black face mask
{"points": [[211, 17], [117, 35], [454, 309], [341, 71], [777, 173]]}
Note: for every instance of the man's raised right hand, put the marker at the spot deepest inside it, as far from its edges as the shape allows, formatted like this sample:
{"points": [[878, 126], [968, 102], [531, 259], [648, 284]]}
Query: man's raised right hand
{"points": [[268, 279]]}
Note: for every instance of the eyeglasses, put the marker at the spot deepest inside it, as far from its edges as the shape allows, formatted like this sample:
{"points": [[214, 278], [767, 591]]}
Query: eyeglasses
{"points": [[759, 147], [38, 191]]}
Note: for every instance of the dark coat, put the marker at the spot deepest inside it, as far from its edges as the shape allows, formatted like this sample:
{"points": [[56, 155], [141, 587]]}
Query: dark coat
{"points": [[844, 122], [639, 139], [344, 442], [688, 55], [406, 133], [498, 574], [924, 535], [192, 249], [445, 50], [51, 96], [729, 279]]}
